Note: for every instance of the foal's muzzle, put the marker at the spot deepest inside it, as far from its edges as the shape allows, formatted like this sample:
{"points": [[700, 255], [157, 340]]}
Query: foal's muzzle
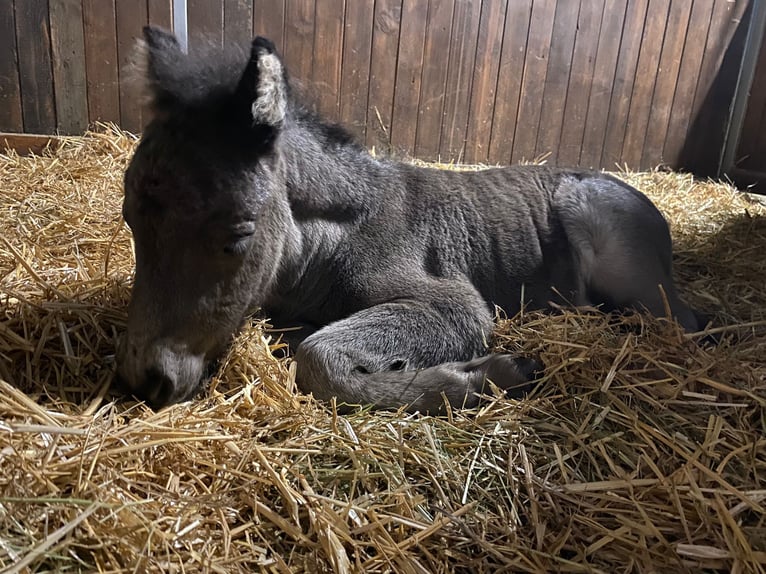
{"points": [[161, 373]]}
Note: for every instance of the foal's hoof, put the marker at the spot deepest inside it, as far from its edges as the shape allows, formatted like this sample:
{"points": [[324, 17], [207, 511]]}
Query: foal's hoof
{"points": [[517, 376]]}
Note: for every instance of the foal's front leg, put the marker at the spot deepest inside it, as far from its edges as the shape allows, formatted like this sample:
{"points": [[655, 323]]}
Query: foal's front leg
{"points": [[412, 352]]}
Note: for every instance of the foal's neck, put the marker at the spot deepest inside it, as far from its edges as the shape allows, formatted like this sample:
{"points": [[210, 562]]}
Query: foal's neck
{"points": [[332, 179]]}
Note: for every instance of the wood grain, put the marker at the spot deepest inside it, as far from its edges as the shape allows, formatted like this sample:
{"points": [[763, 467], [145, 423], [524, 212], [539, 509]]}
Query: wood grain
{"points": [[622, 87], [328, 56], [101, 62], [462, 55], [433, 79], [485, 77], [385, 46], [35, 68], [269, 21], [510, 75], [355, 73], [602, 84], [408, 74], [686, 84], [68, 57], [644, 83], [580, 82], [131, 18], [237, 24], [11, 119], [533, 82]]}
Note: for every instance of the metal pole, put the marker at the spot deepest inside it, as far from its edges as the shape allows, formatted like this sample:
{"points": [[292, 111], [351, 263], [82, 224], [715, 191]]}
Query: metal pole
{"points": [[755, 34], [179, 24]]}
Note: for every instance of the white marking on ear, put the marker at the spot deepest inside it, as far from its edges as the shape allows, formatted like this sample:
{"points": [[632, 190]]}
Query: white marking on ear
{"points": [[270, 105]]}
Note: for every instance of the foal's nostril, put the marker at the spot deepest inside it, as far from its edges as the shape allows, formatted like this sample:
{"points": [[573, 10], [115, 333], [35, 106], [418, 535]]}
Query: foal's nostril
{"points": [[158, 387]]}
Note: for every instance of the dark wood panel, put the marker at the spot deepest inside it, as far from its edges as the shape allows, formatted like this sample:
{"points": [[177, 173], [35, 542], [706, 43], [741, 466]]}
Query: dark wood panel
{"points": [[328, 56], [622, 87], [533, 83], [667, 79], [160, 13], [686, 84], [204, 22], [237, 23], [433, 80], [557, 80], [601, 87], [645, 82], [25, 144], [355, 73], [580, 81], [36, 76], [751, 149], [408, 73], [101, 63], [11, 119], [299, 43], [68, 56], [484, 85], [131, 18], [269, 21], [718, 78], [462, 54], [385, 45], [517, 18]]}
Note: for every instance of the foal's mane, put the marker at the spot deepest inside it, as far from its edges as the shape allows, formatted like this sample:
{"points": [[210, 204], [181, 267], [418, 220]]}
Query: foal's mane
{"points": [[208, 78]]}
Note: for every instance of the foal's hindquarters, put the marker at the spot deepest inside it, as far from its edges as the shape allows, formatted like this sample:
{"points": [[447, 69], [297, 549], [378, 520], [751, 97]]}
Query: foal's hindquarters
{"points": [[427, 345]]}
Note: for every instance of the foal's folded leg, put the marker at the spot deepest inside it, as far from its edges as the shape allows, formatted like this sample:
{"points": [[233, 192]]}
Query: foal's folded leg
{"points": [[411, 352]]}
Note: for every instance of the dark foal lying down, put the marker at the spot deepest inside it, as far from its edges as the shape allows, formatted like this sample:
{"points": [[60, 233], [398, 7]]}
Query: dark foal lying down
{"points": [[238, 199]]}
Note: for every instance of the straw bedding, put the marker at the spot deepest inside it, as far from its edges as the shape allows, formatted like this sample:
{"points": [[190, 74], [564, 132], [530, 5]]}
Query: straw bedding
{"points": [[642, 450]]}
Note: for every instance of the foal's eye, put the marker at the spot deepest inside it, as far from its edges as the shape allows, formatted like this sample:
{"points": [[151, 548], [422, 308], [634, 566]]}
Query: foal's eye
{"points": [[239, 241], [238, 247]]}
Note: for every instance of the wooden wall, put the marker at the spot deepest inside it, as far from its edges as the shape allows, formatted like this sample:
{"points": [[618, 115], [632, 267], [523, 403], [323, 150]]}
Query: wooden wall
{"points": [[583, 82], [751, 150]]}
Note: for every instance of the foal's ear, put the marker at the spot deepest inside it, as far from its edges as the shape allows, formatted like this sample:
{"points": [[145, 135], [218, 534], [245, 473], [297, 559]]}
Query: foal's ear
{"points": [[159, 55], [264, 84]]}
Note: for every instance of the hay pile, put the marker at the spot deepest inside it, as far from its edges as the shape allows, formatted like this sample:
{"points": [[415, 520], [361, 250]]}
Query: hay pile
{"points": [[641, 451]]}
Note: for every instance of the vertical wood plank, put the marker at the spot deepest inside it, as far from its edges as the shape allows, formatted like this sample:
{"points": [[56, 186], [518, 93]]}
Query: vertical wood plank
{"points": [[686, 85], [68, 55], [385, 45], [237, 24], [517, 20], [355, 73], [667, 79], [645, 82], [35, 71], [533, 81], [131, 17], [433, 79], [484, 85], [622, 87], [404, 119], [462, 55], [269, 21], [101, 63], [757, 153], [328, 56], [557, 80], [160, 13], [299, 40], [750, 153], [11, 119], [580, 81], [205, 25], [603, 83], [715, 87]]}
